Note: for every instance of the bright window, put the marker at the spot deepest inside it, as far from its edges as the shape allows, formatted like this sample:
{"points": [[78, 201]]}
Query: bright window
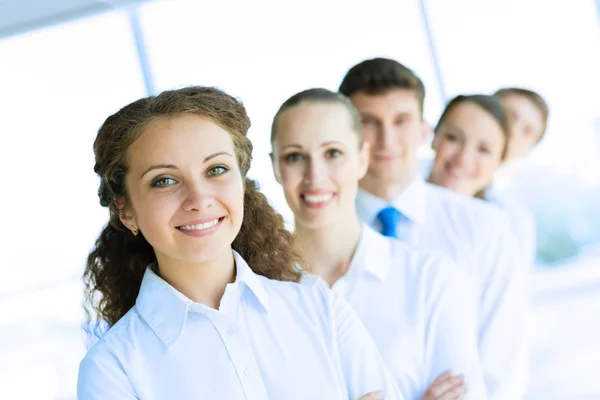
{"points": [[58, 86]]}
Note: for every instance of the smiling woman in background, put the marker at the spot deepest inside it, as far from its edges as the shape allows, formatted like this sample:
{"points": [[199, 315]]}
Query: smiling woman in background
{"points": [[195, 274], [416, 304], [471, 142]]}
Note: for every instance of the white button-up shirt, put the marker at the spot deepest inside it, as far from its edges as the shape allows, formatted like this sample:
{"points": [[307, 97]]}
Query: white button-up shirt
{"points": [[268, 340], [477, 235], [419, 310]]}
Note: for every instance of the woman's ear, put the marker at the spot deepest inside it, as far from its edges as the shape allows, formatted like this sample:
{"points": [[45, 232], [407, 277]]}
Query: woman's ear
{"points": [[125, 214]]}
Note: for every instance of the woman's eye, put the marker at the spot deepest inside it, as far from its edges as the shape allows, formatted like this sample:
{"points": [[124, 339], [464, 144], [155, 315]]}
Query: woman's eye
{"points": [[451, 137], [333, 153], [163, 182], [293, 157], [217, 170], [368, 121]]}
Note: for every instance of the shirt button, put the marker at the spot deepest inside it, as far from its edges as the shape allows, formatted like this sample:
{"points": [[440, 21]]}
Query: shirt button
{"points": [[232, 330], [247, 372]]}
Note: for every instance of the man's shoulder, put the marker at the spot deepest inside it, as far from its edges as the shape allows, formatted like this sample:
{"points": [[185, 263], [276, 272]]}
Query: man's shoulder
{"points": [[449, 201]]}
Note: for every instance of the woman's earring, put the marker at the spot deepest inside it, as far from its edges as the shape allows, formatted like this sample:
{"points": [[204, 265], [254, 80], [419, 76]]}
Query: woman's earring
{"points": [[134, 230]]}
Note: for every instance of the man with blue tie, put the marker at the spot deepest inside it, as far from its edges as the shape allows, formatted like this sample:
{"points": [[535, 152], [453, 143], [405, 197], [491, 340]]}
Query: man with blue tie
{"points": [[397, 202]]}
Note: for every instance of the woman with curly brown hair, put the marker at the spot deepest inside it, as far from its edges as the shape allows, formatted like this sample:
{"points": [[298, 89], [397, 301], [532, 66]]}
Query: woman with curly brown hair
{"points": [[194, 273]]}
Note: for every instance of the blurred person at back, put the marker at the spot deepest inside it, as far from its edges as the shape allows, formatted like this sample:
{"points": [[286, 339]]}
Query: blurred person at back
{"points": [[527, 112]]}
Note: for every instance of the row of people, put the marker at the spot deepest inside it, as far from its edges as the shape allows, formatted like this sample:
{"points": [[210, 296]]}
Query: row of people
{"points": [[387, 283]]}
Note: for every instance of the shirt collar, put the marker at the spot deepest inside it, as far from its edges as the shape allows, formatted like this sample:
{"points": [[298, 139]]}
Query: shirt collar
{"points": [[162, 307], [368, 206], [251, 280], [165, 309], [411, 202], [371, 255]]}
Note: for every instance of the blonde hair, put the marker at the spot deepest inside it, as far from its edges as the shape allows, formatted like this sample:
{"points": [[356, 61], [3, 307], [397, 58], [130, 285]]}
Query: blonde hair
{"points": [[319, 95]]}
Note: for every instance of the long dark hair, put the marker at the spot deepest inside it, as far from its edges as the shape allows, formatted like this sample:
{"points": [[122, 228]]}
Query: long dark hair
{"points": [[118, 260]]}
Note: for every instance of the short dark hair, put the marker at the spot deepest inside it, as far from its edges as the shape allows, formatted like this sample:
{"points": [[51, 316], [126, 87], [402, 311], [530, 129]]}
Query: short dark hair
{"points": [[532, 96], [319, 95], [490, 104], [379, 75]]}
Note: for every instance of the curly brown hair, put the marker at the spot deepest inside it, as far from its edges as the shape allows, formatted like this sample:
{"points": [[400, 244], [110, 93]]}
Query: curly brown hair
{"points": [[118, 260]]}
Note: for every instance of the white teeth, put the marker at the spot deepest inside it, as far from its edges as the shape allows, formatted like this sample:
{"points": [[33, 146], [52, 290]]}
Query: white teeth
{"points": [[321, 198], [200, 227]]}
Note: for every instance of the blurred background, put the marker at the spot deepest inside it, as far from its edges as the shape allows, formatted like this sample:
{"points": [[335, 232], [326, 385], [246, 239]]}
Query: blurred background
{"points": [[65, 65]]}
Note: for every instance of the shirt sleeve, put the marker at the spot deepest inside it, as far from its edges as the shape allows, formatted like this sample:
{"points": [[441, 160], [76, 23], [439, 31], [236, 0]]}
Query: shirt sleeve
{"points": [[362, 366], [102, 377], [504, 344], [451, 331]]}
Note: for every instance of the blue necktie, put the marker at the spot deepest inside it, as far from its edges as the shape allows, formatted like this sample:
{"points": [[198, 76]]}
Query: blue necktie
{"points": [[389, 218]]}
